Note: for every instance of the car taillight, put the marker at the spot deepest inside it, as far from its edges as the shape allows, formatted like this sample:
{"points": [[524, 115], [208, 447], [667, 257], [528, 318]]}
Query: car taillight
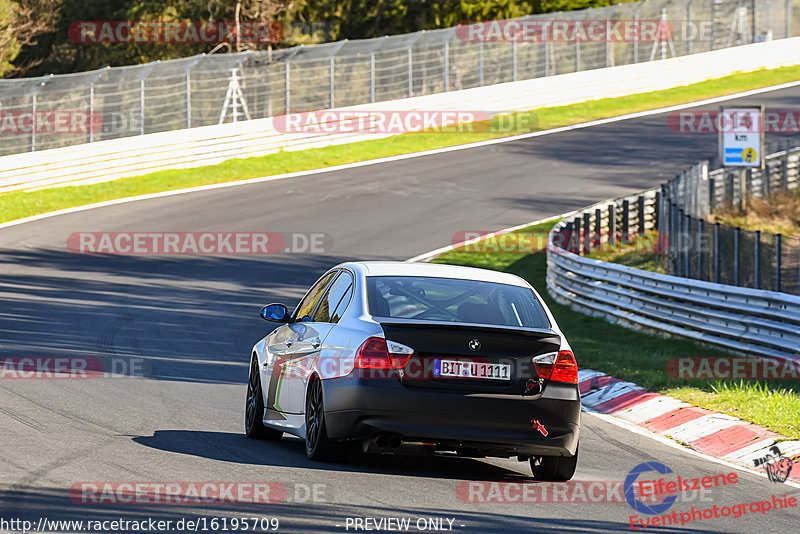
{"points": [[557, 366], [377, 353]]}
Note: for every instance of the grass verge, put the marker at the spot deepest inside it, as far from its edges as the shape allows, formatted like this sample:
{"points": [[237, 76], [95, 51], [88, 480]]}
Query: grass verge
{"points": [[778, 214], [19, 204], [641, 358]]}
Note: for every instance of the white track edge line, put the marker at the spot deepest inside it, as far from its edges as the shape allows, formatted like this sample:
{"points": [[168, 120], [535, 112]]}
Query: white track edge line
{"points": [[401, 157]]}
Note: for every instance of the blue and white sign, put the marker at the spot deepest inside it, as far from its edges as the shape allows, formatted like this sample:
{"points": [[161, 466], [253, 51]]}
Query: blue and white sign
{"points": [[741, 136]]}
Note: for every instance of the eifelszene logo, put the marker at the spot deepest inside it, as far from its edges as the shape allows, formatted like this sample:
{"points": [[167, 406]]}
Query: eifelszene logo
{"points": [[775, 464]]}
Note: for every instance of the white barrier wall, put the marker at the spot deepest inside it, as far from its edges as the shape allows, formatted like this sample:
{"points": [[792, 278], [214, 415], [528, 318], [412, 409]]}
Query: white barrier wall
{"points": [[132, 156]]}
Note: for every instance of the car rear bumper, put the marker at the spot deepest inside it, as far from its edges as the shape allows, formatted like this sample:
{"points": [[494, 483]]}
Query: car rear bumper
{"points": [[495, 425]]}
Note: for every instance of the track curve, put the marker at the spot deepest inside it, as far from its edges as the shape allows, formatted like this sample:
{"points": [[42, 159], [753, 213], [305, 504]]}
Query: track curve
{"points": [[190, 321]]}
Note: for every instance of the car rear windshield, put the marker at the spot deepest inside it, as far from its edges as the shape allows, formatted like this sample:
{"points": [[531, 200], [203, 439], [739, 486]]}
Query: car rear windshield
{"points": [[454, 300]]}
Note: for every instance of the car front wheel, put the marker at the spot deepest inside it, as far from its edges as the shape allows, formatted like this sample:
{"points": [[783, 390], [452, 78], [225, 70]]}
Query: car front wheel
{"points": [[254, 408]]}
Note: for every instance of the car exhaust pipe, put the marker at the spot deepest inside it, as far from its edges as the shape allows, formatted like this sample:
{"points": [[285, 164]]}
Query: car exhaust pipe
{"points": [[384, 443]]}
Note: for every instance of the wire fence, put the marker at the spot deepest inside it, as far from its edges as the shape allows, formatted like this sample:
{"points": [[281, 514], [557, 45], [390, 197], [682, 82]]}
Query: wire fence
{"points": [[671, 225], [727, 254], [54, 111]]}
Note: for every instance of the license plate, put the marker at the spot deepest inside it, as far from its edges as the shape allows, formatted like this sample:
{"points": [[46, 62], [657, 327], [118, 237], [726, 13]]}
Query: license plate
{"points": [[482, 371]]}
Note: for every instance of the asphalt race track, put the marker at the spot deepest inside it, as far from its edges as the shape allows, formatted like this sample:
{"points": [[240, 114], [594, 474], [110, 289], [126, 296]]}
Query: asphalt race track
{"points": [[187, 323]]}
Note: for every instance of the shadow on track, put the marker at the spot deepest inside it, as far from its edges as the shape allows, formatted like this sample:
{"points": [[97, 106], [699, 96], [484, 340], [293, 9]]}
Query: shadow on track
{"points": [[290, 452], [190, 318]]}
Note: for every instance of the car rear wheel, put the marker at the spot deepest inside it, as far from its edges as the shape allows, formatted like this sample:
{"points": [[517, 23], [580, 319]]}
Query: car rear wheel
{"points": [[254, 408], [554, 468], [318, 446]]}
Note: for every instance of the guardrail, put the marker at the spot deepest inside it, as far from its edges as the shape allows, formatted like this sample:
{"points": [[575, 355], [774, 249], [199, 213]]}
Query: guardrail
{"points": [[119, 158], [745, 320]]}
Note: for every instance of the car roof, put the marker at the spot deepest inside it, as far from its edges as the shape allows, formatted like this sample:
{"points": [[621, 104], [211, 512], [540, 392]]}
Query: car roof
{"points": [[435, 270]]}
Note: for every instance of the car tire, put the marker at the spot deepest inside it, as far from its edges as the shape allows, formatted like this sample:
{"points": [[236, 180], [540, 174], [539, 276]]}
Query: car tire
{"points": [[318, 446], [254, 408], [554, 468]]}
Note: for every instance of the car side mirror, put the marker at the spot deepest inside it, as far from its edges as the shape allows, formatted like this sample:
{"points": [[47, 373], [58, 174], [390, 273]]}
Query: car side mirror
{"points": [[277, 313]]}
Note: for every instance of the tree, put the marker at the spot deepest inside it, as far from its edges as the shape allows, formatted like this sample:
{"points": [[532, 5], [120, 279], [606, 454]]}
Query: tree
{"points": [[245, 11], [20, 23]]}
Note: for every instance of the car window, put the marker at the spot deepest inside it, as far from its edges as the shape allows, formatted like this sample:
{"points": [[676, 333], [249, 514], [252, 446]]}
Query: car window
{"points": [[306, 306], [454, 300], [335, 301]]}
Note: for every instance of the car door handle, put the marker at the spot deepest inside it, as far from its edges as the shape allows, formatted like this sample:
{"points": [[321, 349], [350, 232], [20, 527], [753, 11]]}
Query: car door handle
{"points": [[315, 343], [289, 342]]}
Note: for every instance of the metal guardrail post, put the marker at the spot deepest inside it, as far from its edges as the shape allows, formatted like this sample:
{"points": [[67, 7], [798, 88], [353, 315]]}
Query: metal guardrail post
{"points": [[736, 234], [716, 253], [331, 82], [188, 72], [587, 233], [141, 106], [188, 99], [287, 88], [568, 230], [513, 60], [480, 63], [699, 245], [625, 219], [679, 244], [757, 259], [91, 113], [598, 227], [547, 57], [371, 77], [712, 194], [778, 262], [785, 171], [642, 218], [673, 246], [687, 253], [576, 226], [446, 66], [689, 17], [410, 72], [747, 187], [612, 223], [657, 208]]}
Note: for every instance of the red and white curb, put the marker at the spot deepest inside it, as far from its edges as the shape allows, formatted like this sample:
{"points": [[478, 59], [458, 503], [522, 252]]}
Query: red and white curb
{"points": [[711, 433]]}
